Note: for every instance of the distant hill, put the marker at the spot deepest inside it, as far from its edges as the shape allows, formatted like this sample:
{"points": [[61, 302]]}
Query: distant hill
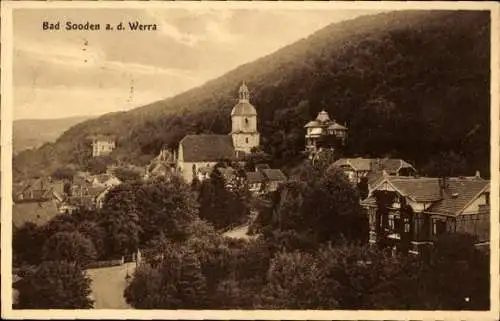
{"points": [[33, 133], [408, 84]]}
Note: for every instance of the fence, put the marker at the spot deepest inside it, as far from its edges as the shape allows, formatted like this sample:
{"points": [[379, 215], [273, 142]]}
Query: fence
{"points": [[101, 264]]}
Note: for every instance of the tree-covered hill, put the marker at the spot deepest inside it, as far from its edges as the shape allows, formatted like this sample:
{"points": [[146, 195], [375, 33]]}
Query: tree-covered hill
{"points": [[408, 84]]}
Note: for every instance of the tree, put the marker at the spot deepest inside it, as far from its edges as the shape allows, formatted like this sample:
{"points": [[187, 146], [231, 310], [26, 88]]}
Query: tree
{"points": [[447, 164], [63, 173], [331, 209], [55, 285], [296, 281], [127, 175], [121, 220], [176, 284], [324, 159], [27, 243], [470, 266], [99, 165], [167, 207], [70, 247], [96, 233], [217, 203]]}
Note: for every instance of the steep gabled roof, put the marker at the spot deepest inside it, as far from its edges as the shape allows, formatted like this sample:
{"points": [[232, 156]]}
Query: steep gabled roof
{"points": [[254, 177], [207, 148], [459, 194], [274, 174], [419, 189], [391, 165]]}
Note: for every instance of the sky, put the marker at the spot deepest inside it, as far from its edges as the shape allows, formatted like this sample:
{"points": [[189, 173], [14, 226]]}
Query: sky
{"points": [[64, 73]]}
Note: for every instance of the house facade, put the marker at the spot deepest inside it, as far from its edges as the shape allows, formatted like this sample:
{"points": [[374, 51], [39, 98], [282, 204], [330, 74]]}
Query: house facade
{"points": [[411, 212], [102, 145]]}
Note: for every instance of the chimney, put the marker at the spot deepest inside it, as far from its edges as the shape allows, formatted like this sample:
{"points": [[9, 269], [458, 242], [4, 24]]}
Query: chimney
{"points": [[478, 174], [443, 185]]}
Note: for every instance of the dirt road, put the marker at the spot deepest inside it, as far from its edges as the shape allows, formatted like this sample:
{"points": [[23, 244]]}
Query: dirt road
{"points": [[108, 285]]}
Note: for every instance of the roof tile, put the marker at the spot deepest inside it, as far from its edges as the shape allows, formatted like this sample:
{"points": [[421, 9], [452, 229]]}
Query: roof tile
{"points": [[207, 148]]}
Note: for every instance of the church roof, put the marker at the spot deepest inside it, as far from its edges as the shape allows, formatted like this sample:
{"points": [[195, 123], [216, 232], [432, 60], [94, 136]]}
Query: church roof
{"points": [[243, 108], [207, 148]]}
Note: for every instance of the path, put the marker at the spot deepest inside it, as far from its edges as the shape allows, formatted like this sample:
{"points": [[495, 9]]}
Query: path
{"points": [[239, 232], [108, 285]]}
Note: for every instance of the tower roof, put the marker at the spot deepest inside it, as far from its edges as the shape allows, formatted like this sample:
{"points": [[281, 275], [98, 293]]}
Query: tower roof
{"points": [[323, 116], [243, 107]]}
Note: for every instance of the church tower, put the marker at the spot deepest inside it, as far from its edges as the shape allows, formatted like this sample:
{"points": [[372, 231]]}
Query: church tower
{"points": [[244, 122]]}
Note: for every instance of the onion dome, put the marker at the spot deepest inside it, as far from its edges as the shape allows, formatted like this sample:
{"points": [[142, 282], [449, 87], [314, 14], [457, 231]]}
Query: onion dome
{"points": [[243, 107]]}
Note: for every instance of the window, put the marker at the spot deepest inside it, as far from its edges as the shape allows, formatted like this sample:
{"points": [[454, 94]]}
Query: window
{"points": [[246, 121], [487, 198], [391, 222], [438, 227], [246, 140], [407, 225]]}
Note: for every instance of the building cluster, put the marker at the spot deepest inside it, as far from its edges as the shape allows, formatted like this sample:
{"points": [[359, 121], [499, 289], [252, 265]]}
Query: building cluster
{"points": [[403, 208], [197, 155], [39, 200]]}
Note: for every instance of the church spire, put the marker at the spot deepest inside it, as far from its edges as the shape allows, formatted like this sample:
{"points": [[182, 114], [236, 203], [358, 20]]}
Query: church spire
{"points": [[244, 94]]}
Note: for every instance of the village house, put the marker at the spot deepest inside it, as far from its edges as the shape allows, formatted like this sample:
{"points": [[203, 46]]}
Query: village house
{"points": [[87, 197], [161, 165], [255, 182], [264, 179], [37, 201], [372, 168], [104, 180], [204, 151], [272, 179], [323, 132], [414, 211], [102, 145]]}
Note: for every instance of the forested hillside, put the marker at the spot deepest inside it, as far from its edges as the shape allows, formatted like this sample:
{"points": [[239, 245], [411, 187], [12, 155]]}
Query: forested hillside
{"points": [[408, 84]]}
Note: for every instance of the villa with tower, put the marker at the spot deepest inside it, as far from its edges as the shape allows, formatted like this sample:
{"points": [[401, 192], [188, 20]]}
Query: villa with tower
{"points": [[323, 132], [196, 155]]}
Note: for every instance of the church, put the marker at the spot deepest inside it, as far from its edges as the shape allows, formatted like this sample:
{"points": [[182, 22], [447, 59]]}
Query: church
{"points": [[197, 154]]}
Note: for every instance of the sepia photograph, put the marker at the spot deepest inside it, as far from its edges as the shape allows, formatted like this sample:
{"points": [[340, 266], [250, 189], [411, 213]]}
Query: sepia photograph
{"points": [[250, 157]]}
